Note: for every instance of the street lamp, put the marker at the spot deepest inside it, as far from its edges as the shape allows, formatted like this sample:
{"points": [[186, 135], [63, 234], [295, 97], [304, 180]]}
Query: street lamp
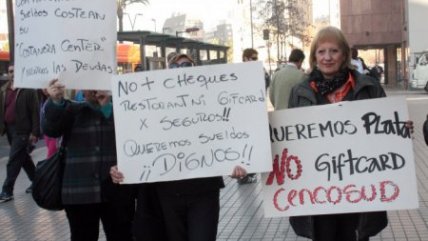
{"points": [[154, 21], [135, 18]]}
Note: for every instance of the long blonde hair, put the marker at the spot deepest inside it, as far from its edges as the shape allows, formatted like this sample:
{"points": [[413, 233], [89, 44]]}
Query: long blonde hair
{"points": [[330, 33]]}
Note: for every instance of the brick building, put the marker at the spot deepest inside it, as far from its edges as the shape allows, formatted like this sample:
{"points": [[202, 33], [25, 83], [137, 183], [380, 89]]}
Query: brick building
{"points": [[382, 25]]}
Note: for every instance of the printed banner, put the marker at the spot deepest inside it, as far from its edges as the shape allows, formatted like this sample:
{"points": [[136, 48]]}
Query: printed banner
{"points": [[340, 158], [191, 122], [73, 40]]}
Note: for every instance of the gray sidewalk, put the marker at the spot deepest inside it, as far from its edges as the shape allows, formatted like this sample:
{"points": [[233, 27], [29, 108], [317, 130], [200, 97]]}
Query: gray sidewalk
{"points": [[241, 216]]}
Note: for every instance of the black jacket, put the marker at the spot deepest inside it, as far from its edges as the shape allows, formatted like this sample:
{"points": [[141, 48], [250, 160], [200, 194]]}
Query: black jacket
{"points": [[27, 111]]}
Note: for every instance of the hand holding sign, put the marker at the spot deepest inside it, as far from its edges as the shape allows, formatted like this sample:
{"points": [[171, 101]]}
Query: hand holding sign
{"points": [[343, 172], [55, 90], [239, 172], [191, 122], [69, 49], [117, 176]]}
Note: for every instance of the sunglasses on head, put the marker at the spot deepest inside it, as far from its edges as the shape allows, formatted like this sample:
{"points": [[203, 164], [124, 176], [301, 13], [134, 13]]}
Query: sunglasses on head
{"points": [[182, 65]]}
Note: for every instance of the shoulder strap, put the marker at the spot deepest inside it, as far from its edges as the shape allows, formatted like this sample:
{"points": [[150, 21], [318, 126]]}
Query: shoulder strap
{"points": [[65, 138]]}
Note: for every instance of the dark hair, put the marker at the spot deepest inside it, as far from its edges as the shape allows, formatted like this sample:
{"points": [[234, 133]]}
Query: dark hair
{"points": [[176, 57], [248, 53], [296, 55], [354, 53], [138, 68]]}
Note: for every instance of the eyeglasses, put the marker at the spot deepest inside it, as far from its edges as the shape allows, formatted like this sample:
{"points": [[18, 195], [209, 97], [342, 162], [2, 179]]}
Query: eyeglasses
{"points": [[254, 58], [182, 65], [10, 71]]}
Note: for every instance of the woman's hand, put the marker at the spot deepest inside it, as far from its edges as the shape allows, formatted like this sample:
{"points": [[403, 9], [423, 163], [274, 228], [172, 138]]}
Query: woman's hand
{"points": [[238, 172], [116, 175], [55, 90]]}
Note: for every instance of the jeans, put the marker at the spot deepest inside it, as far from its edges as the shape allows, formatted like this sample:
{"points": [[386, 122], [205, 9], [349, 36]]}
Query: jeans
{"points": [[18, 158]]}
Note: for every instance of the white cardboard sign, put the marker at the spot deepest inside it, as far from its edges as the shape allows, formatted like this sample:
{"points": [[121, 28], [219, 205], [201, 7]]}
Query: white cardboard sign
{"points": [[73, 40], [191, 122], [341, 158]]}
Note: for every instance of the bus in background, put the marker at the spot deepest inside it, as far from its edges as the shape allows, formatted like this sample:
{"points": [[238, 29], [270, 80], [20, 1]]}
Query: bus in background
{"points": [[4, 63]]}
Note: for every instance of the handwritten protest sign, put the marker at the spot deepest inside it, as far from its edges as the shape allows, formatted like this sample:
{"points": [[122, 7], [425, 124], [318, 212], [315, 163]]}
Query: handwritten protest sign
{"points": [[73, 40], [191, 122], [339, 158]]}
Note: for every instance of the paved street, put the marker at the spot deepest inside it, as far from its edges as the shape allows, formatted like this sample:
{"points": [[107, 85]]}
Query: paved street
{"points": [[241, 206]]}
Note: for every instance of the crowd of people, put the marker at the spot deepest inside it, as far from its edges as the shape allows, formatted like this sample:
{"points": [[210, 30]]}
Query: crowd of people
{"points": [[184, 210]]}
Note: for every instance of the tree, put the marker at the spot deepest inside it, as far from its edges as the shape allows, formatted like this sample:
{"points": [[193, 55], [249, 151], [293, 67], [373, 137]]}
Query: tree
{"points": [[121, 5], [285, 19]]}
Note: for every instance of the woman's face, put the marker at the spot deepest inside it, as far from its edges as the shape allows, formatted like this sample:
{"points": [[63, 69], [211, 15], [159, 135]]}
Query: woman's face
{"points": [[329, 58], [181, 63]]}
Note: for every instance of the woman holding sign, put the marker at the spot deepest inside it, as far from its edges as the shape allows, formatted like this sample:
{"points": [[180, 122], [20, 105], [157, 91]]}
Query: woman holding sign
{"points": [[333, 79], [88, 193], [189, 208]]}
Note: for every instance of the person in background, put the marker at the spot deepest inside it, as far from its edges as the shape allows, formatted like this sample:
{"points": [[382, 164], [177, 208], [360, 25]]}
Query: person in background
{"points": [[333, 79], [20, 121], [79, 96], [51, 143], [376, 72], [169, 57], [358, 62], [138, 68], [190, 208], [285, 79], [251, 54], [88, 193]]}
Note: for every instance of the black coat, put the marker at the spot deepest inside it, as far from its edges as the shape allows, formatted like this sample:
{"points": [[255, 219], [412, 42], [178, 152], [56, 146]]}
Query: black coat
{"points": [[27, 111]]}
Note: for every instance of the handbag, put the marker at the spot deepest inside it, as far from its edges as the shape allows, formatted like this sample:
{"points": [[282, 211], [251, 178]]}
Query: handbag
{"points": [[425, 130], [47, 182]]}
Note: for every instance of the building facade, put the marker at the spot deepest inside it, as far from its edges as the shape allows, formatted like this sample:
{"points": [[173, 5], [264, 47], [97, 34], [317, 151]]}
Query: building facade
{"points": [[373, 24]]}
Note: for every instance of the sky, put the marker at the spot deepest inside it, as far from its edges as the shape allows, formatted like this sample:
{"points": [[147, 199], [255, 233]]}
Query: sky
{"points": [[211, 12]]}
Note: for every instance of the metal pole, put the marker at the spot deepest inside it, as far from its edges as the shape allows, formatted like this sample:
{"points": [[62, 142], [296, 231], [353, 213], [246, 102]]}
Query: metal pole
{"points": [[251, 22], [268, 49], [277, 29], [154, 20]]}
